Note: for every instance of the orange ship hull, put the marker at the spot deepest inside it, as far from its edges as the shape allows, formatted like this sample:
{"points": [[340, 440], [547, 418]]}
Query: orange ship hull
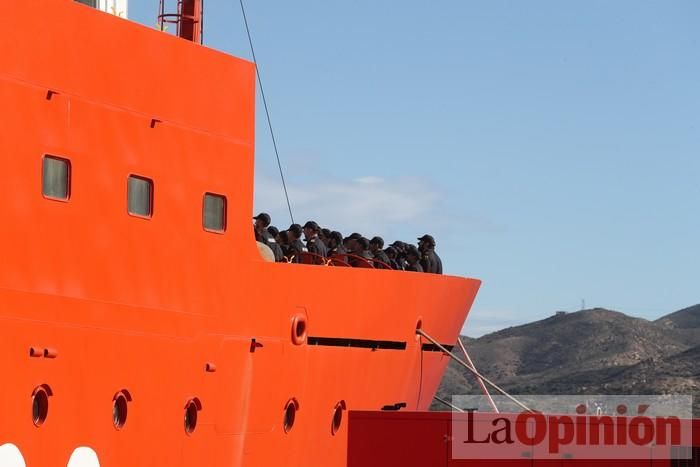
{"points": [[95, 302]]}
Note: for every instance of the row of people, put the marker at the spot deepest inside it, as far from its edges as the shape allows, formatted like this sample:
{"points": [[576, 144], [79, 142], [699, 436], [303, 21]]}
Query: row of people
{"points": [[291, 245]]}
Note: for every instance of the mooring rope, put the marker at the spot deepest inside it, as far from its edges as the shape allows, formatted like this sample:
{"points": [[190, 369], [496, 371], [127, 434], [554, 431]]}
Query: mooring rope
{"points": [[473, 370]]}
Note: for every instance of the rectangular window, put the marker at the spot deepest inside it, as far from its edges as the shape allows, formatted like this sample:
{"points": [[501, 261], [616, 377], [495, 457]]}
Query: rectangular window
{"points": [[55, 178], [214, 213], [92, 3], [139, 194]]}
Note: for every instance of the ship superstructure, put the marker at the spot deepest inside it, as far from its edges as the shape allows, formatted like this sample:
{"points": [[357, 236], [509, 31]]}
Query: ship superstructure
{"points": [[139, 324]]}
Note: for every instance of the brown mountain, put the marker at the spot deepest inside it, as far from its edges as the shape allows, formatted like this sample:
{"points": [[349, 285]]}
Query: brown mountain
{"points": [[685, 321], [594, 351]]}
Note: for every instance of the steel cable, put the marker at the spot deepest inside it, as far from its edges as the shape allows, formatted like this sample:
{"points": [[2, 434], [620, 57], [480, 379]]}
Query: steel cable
{"points": [[267, 111]]}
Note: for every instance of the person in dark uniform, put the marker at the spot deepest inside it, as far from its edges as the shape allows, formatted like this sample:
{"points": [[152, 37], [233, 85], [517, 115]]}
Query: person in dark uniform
{"points": [[412, 259], [272, 243], [283, 242], [361, 249], [324, 235], [296, 246], [430, 261], [349, 242], [375, 247], [400, 248], [392, 255], [335, 244], [313, 243], [262, 222], [336, 248]]}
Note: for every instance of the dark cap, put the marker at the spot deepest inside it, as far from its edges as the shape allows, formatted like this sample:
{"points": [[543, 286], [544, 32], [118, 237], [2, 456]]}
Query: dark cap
{"points": [[312, 225], [363, 242], [379, 241], [412, 251], [272, 230], [399, 246], [427, 238], [295, 229], [264, 217], [337, 236]]}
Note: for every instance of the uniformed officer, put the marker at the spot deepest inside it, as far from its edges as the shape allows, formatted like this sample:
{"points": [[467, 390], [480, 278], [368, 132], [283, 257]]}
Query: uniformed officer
{"points": [[349, 242], [272, 243], [400, 248], [283, 242], [430, 261], [412, 259], [296, 246], [313, 243], [324, 235], [361, 249], [335, 244], [336, 249], [262, 222], [392, 255], [375, 247]]}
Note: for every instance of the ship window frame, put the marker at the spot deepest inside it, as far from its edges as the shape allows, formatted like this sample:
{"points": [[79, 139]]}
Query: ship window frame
{"points": [[89, 3], [68, 178], [151, 198], [224, 213]]}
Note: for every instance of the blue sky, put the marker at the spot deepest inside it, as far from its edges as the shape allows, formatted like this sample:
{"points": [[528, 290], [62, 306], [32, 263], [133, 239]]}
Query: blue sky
{"points": [[552, 148]]}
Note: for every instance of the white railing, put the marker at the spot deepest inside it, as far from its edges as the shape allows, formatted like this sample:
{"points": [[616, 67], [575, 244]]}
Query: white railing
{"points": [[116, 7]]}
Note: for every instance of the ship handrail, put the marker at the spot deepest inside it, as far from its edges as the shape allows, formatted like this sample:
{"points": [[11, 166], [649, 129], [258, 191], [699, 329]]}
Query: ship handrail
{"points": [[336, 260], [315, 258], [360, 261], [381, 263]]}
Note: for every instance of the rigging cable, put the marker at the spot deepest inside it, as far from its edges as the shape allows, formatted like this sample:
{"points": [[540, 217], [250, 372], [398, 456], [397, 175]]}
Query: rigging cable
{"points": [[473, 370], [267, 112]]}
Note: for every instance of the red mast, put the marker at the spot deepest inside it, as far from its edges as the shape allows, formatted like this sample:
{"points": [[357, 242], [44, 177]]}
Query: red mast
{"points": [[189, 19]]}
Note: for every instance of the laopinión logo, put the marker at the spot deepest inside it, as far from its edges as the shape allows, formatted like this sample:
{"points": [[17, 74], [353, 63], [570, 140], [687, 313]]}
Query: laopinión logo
{"points": [[581, 427]]}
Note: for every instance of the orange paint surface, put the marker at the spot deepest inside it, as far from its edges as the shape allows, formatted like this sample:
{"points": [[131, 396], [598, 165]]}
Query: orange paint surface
{"points": [[142, 305]]}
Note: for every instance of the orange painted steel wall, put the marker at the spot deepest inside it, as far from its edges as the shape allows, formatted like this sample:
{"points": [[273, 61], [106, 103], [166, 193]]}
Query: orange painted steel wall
{"points": [[143, 305]]}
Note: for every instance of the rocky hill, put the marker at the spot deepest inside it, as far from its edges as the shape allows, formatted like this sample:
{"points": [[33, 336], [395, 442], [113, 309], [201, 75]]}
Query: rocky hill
{"points": [[595, 351], [685, 321]]}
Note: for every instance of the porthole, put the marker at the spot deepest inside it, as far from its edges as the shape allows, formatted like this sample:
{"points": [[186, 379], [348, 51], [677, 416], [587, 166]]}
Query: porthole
{"points": [[120, 408], [299, 329], [192, 409], [290, 415], [40, 405], [337, 420], [55, 178]]}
